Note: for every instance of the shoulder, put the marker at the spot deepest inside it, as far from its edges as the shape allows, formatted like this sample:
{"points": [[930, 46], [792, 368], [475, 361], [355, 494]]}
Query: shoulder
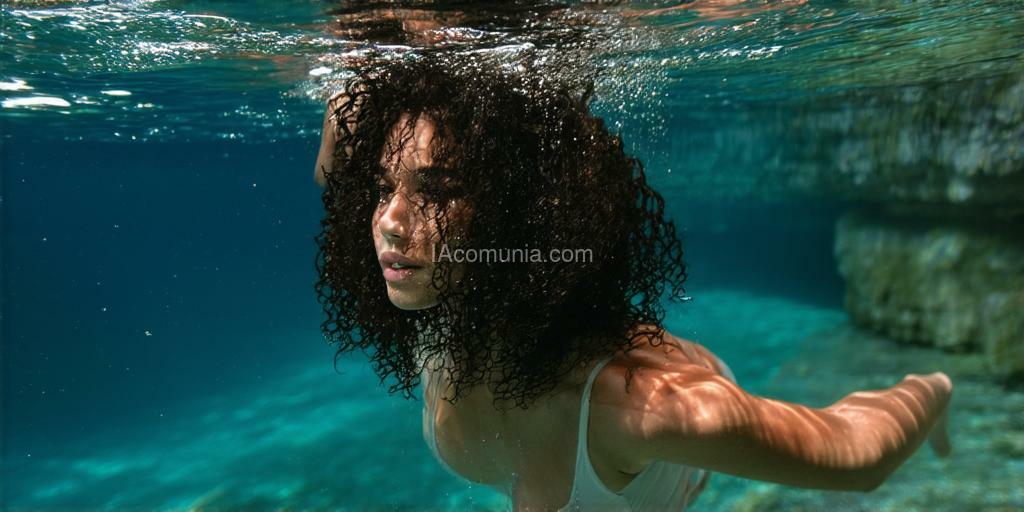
{"points": [[638, 389], [665, 353]]}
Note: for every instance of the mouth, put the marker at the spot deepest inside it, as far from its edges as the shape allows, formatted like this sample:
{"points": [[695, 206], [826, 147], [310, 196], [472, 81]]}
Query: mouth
{"points": [[397, 267]]}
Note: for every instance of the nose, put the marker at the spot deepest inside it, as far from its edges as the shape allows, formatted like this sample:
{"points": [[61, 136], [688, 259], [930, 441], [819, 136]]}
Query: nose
{"points": [[393, 222]]}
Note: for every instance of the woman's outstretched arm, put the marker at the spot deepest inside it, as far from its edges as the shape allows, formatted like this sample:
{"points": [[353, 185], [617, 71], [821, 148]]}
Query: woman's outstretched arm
{"points": [[692, 415]]}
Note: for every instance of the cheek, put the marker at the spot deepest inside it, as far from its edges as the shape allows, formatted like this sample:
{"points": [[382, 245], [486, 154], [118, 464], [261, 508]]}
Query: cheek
{"points": [[426, 224], [430, 230], [374, 219]]}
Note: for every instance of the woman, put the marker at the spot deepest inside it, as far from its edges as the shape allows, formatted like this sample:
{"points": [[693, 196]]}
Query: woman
{"points": [[559, 385]]}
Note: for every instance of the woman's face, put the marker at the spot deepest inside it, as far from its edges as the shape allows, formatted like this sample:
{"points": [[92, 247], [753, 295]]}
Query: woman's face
{"points": [[404, 226]]}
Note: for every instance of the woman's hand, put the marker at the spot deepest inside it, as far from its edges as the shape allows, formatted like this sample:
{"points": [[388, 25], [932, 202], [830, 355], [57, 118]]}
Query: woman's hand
{"points": [[940, 387], [938, 436]]}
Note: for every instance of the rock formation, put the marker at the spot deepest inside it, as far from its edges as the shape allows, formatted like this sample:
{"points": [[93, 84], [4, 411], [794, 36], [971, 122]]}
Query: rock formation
{"points": [[952, 283]]}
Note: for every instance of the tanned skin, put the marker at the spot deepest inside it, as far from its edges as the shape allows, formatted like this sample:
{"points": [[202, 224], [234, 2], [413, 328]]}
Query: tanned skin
{"points": [[679, 407]]}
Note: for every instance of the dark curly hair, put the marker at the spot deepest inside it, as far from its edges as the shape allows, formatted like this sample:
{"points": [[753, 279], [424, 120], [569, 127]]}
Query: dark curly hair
{"points": [[539, 172]]}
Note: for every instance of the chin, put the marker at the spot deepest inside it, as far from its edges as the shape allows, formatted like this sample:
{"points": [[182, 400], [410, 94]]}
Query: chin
{"points": [[411, 301]]}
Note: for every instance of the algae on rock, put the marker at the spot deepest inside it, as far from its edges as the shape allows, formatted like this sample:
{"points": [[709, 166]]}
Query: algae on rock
{"points": [[957, 285]]}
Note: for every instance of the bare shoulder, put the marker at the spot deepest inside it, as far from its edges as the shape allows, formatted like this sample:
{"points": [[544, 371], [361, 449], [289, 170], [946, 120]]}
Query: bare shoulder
{"points": [[637, 387], [670, 353]]}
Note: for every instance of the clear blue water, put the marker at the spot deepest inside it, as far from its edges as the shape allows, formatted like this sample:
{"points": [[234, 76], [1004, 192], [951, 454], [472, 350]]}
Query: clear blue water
{"points": [[161, 345]]}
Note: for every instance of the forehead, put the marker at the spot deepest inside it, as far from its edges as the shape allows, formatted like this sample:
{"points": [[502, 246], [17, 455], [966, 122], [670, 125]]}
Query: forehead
{"points": [[409, 144]]}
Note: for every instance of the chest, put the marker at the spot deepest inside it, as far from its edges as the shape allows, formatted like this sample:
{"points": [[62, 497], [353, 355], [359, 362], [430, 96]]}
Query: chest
{"points": [[528, 453]]}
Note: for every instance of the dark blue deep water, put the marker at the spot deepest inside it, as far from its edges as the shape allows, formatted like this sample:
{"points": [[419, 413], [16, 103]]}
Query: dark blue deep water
{"points": [[160, 334]]}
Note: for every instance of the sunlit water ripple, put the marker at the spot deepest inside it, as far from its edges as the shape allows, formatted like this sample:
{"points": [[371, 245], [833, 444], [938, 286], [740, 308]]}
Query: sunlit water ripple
{"points": [[173, 70]]}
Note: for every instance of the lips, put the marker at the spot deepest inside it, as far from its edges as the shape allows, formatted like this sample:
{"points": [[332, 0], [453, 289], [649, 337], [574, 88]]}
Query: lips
{"points": [[408, 266]]}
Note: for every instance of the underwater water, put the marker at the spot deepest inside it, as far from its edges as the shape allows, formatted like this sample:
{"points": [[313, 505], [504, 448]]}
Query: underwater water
{"points": [[160, 335]]}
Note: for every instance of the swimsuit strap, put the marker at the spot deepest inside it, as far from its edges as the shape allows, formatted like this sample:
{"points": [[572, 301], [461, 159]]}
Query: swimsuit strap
{"points": [[582, 457]]}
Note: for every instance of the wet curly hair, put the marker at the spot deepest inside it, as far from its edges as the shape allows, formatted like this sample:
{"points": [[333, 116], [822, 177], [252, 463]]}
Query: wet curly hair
{"points": [[539, 172]]}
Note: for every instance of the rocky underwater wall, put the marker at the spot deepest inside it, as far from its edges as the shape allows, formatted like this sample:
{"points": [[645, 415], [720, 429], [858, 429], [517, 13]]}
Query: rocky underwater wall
{"points": [[947, 282], [932, 250], [936, 257]]}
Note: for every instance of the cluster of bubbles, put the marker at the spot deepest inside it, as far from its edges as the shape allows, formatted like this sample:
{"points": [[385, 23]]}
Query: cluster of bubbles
{"points": [[261, 71]]}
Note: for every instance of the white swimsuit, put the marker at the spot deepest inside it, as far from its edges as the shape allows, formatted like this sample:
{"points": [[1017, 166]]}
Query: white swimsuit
{"points": [[661, 486]]}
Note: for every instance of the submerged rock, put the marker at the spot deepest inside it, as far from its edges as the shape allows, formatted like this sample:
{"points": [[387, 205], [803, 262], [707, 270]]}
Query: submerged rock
{"points": [[955, 144], [951, 144], [953, 284]]}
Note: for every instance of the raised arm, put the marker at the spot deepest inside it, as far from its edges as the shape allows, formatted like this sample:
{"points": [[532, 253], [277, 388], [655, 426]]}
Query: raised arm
{"points": [[329, 135], [695, 416], [328, 139]]}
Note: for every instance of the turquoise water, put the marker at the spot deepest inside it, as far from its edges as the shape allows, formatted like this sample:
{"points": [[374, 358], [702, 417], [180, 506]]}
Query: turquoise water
{"points": [[160, 333]]}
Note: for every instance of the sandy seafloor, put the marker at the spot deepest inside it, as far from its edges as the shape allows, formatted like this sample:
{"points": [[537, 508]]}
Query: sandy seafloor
{"points": [[319, 440]]}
